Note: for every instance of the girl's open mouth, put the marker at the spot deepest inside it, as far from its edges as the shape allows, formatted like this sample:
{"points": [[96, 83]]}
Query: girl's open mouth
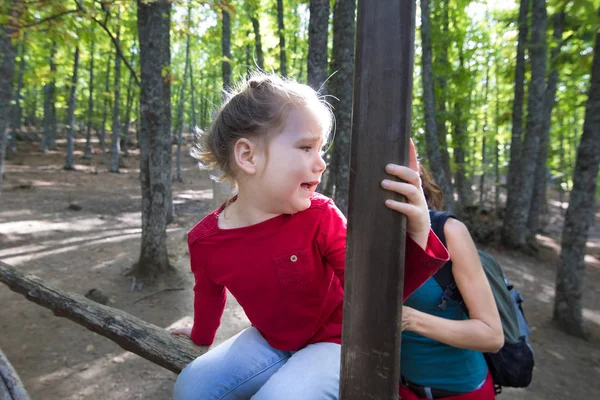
{"points": [[309, 186]]}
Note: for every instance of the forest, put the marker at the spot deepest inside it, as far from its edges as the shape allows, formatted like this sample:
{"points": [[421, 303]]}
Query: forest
{"points": [[100, 99]]}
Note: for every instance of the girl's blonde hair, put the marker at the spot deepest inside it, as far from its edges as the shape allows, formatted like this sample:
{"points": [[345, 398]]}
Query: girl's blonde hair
{"points": [[258, 106]]}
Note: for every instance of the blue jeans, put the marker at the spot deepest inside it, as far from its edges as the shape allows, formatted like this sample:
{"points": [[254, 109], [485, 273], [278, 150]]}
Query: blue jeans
{"points": [[247, 367]]}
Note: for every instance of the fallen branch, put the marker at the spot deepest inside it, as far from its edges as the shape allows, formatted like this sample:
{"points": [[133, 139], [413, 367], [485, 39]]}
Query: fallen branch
{"points": [[11, 387], [131, 333]]}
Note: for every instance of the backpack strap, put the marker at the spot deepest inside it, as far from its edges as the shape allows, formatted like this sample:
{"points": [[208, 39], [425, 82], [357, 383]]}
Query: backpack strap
{"points": [[444, 276]]}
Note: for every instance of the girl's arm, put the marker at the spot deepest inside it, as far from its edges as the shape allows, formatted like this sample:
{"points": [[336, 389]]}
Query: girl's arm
{"points": [[483, 331], [209, 303]]}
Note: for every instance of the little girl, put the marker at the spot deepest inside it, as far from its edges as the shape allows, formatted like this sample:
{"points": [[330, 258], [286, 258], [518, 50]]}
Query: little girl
{"points": [[279, 247]]}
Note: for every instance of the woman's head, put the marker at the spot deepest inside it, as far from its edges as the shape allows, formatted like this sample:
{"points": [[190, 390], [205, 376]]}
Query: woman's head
{"points": [[257, 111]]}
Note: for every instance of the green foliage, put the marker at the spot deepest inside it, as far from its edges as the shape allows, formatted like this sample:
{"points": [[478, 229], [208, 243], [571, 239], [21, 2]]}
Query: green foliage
{"points": [[481, 33]]}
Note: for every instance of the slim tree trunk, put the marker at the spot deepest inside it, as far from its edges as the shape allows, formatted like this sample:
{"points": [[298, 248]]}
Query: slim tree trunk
{"points": [[497, 142], [431, 134], [442, 85], [7, 69], [281, 33], [260, 58], [221, 190], [17, 109], [226, 48], [193, 95], [154, 21], [102, 137], [517, 114], [69, 163], [460, 141], [318, 30], [538, 201], [179, 123], [128, 105], [484, 160], [49, 134], [341, 87], [515, 222], [569, 280], [115, 147], [87, 154]]}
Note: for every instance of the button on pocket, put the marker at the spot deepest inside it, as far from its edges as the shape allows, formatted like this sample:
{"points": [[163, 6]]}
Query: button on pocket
{"points": [[296, 271]]}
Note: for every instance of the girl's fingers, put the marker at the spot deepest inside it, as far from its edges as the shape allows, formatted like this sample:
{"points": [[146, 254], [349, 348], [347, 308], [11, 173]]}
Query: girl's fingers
{"points": [[404, 173], [412, 194], [405, 208]]}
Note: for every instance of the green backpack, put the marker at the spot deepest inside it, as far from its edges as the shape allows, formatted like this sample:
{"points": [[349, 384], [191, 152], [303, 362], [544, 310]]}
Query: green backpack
{"points": [[512, 365]]}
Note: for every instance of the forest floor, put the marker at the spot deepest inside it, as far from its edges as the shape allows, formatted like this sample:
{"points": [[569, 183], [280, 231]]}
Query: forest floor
{"points": [[93, 247]]}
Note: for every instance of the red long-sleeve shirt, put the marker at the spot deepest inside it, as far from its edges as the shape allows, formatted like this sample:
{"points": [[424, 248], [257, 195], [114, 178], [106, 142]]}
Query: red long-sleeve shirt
{"points": [[287, 273]]}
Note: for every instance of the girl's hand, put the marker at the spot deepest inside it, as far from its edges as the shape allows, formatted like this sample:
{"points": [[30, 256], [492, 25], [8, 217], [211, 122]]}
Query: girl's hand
{"points": [[181, 331], [415, 208]]}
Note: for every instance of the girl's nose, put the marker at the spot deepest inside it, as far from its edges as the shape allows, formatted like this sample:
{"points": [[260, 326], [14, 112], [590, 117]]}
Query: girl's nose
{"points": [[320, 165]]}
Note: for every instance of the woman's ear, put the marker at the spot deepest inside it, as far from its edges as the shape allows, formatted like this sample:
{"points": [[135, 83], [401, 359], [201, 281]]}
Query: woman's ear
{"points": [[244, 152]]}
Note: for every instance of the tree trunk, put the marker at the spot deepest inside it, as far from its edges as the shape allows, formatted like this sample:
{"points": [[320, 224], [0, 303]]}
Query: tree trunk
{"points": [[193, 95], [318, 30], [341, 86], [102, 137], [221, 190], [7, 69], [87, 154], [519, 199], [538, 201], [442, 85], [154, 21], [17, 109], [179, 123], [152, 342], [460, 141], [115, 146], [517, 114], [281, 33], [569, 280], [69, 163], [260, 58], [484, 160], [226, 48], [127, 122], [49, 134], [433, 147]]}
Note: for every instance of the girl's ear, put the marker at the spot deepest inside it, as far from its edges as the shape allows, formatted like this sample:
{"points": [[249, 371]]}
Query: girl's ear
{"points": [[244, 152]]}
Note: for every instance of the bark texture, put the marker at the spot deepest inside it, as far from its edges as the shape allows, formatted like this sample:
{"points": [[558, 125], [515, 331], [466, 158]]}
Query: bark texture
{"points": [[569, 280]]}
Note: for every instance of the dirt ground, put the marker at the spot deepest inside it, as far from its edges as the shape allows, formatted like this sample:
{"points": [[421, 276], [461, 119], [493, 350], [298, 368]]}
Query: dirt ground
{"points": [[93, 247]]}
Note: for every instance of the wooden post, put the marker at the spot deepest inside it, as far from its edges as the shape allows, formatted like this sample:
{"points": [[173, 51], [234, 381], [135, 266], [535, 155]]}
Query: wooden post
{"points": [[370, 367]]}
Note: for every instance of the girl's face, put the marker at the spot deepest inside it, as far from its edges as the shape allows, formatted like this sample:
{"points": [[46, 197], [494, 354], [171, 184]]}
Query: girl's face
{"points": [[291, 166]]}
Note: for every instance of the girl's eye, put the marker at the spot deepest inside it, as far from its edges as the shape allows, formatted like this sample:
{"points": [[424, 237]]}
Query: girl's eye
{"points": [[306, 148]]}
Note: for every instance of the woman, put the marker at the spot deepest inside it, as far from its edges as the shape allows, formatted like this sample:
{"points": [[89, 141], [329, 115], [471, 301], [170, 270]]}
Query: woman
{"points": [[442, 347]]}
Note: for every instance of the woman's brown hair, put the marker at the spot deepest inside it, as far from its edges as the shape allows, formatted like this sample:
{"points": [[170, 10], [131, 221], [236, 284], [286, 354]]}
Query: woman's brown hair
{"points": [[433, 193]]}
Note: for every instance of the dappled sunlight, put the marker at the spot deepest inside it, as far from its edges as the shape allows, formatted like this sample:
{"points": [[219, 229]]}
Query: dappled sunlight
{"points": [[546, 293], [37, 226], [50, 251], [87, 372], [15, 213], [181, 323], [206, 194], [555, 203], [592, 316]]}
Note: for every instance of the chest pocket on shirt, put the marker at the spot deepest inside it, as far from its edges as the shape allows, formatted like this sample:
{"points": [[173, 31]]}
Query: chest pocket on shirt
{"points": [[296, 271]]}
